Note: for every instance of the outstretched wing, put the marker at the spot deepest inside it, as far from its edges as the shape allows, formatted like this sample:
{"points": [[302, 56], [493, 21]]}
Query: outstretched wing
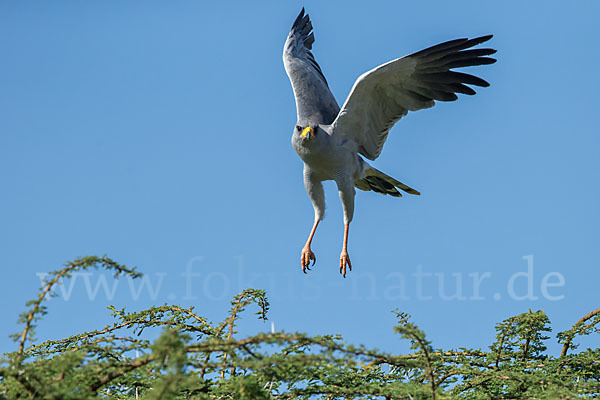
{"points": [[380, 97], [314, 101]]}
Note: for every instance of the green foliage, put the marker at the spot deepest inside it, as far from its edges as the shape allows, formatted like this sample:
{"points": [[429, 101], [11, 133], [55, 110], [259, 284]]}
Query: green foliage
{"points": [[195, 359]]}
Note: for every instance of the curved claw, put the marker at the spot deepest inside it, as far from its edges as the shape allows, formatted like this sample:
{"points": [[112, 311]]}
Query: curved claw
{"points": [[306, 257], [344, 260]]}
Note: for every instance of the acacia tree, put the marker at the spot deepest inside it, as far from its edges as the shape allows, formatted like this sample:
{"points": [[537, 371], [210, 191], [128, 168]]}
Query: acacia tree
{"points": [[194, 359]]}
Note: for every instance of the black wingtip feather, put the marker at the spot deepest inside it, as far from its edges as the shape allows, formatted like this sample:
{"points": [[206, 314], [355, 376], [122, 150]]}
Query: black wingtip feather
{"points": [[298, 18], [308, 42], [450, 47], [470, 79], [439, 47], [307, 27], [481, 39], [436, 63], [302, 27], [470, 62]]}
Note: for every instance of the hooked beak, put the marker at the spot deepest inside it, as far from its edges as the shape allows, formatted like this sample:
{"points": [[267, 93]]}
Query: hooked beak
{"points": [[307, 133]]}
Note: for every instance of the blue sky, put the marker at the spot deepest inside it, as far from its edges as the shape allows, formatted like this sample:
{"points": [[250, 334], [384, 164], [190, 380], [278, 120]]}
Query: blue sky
{"points": [[158, 133]]}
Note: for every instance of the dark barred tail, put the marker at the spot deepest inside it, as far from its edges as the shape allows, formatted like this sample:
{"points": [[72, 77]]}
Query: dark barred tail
{"points": [[379, 182]]}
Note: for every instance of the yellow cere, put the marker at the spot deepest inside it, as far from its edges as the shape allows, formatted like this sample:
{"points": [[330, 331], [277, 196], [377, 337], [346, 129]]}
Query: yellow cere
{"points": [[305, 131]]}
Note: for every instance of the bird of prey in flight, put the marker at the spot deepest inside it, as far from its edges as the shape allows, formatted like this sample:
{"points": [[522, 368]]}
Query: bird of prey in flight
{"points": [[331, 140]]}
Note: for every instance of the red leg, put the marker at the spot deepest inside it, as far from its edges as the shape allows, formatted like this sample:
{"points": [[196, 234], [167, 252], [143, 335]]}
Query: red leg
{"points": [[344, 257], [307, 253]]}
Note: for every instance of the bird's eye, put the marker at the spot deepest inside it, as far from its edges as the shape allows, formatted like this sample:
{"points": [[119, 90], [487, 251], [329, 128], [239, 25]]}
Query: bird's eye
{"points": [[298, 128]]}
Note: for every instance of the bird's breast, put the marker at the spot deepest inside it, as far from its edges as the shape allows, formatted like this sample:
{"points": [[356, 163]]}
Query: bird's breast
{"points": [[309, 153], [325, 159]]}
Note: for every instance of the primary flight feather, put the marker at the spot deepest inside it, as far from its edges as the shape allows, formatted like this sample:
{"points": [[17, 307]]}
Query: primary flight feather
{"points": [[329, 139]]}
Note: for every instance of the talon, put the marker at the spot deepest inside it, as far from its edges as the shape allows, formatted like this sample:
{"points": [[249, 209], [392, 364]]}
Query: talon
{"points": [[344, 260], [305, 258]]}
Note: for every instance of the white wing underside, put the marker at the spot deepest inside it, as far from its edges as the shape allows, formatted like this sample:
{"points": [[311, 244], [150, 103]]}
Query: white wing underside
{"points": [[380, 97]]}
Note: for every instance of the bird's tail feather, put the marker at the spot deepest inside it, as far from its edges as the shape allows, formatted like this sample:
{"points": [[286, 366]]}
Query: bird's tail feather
{"points": [[377, 181]]}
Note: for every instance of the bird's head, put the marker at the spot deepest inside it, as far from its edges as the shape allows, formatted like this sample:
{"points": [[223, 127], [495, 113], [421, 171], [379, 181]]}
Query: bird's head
{"points": [[306, 132]]}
